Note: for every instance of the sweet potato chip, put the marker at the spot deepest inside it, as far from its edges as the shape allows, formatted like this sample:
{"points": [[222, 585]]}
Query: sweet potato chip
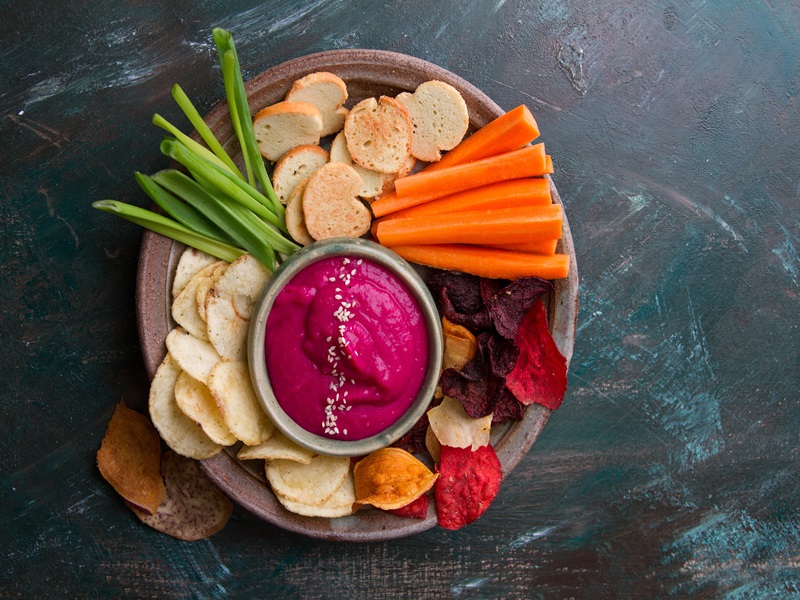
{"points": [[390, 478], [460, 345], [468, 482], [194, 508], [130, 459], [540, 374], [418, 509]]}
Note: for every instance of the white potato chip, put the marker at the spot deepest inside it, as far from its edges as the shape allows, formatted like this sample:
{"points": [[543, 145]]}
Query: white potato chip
{"points": [[179, 432], [340, 504], [184, 307], [190, 262], [197, 403], [193, 355], [277, 447], [455, 428], [229, 305], [310, 484], [229, 384], [205, 285]]}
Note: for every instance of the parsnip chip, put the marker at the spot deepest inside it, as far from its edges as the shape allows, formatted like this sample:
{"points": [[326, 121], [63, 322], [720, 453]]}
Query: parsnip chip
{"points": [[192, 354], [190, 262], [453, 427], [229, 384], [277, 447], [310, 484], [205, 286], [390, 478], [197, 403], [179, 432], [229, 305], [184, 307], [194, 508], [130, 459], [340, 504], [460, 345]]}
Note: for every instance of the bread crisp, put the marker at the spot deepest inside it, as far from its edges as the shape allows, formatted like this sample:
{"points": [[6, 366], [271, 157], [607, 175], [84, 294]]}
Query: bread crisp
{"points": [[286, 125], [379, 134], [331, 206], [328, 93], [295, 218], [295, 166], [375, 183], [439, 116]]}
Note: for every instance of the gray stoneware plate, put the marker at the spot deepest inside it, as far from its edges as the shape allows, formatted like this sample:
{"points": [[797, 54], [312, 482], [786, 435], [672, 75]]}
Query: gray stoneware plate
{"points": [[367, 73]]}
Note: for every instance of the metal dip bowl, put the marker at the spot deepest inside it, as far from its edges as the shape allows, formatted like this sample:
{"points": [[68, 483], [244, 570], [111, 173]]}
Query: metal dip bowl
{"points": [[405, 273]]}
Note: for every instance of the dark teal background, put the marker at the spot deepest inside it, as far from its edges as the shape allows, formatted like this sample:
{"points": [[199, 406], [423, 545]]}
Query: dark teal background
{"points": [[672, 468]]}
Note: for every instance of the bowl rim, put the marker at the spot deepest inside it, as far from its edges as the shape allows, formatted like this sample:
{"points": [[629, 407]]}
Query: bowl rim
{"points": [[283, 275], [159, 255]]}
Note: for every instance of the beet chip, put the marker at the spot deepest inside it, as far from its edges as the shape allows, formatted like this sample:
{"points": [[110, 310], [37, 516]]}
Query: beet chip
{"points": [[540, 374], [468, 482], [458, 296], [508, 306], [418, 509]]}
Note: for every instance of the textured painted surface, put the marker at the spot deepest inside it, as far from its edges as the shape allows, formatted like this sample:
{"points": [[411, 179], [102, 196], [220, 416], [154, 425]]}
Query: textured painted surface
{"points": [[671, 469]]}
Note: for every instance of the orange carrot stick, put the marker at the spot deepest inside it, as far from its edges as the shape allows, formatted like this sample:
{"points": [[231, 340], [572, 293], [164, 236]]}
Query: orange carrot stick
{"points": [[422, 187], [501, 226], [533, 191], [486, 262], [506, 133], [546, 247]]}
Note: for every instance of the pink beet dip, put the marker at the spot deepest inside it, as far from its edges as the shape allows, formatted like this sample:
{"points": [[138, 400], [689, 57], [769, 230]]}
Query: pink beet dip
{"points": [[345, 348]]}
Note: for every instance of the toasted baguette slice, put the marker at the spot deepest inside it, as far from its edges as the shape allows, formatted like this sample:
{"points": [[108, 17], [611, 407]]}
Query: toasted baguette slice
{"points": [[295, 218], [379, 134], [331, 206], [328, 93], [295, 166], [286, 125], [440, 118], [375, 183]]}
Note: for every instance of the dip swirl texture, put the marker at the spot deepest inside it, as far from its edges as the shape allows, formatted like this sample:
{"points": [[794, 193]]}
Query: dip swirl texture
{"points": [[346, 348]]}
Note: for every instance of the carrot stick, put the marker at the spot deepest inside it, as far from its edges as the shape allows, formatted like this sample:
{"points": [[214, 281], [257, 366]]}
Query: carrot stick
{"points": [[507, 132], [546, 247], [486, 262], [534, 191], [500, 226], [422, 187]]}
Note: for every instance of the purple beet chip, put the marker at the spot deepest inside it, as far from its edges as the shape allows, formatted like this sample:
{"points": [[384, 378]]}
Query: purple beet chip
{"points": [[509, 305]]}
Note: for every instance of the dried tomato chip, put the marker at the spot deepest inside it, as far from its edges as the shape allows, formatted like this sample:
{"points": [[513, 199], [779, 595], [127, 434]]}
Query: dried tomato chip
{"points": [[468, 482], [418, 509], [540, 374]]}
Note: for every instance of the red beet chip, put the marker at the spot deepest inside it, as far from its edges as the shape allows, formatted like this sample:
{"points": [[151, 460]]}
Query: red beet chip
{"points": [[418, 509], [468, 482], [540, 374], [508, 306]]}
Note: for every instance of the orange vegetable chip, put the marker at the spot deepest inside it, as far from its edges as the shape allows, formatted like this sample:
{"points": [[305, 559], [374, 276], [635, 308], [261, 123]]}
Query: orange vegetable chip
{"points": [[460, 345], [391, 478], [130, 459]]}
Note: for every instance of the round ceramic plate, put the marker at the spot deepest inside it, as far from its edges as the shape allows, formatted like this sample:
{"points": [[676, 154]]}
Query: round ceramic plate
{"points": [[366, 73]]}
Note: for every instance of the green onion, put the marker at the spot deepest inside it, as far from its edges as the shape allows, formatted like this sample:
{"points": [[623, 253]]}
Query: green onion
{"points": [[169, 228], [185, 214], [200, 126], [194, 146]]}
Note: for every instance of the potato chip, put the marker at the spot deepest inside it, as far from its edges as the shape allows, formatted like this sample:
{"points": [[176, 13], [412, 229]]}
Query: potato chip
{"points": [[340, 504], [453, 427], [184, 307], [229, 384], [205, 285], [197, 403], [277, 447], [390, 478], [432, 445], [230, 303], [194, 508], [310, 484], [460, 345], [130, 459], [192, 354], [468, 482], [180, 433], [190, 262]]}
